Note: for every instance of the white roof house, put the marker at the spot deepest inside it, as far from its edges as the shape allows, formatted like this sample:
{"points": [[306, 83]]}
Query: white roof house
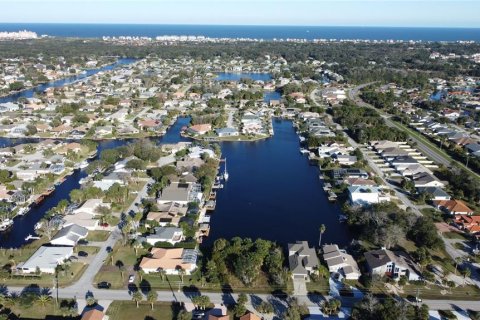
{"points": [[46, 259], [171, 235], [365, 195], [70, 235], [90, 206]]}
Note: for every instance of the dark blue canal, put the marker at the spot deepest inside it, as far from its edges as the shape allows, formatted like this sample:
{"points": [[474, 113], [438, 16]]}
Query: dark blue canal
{"points": [[63, 82], [24, 225], [273, 193]]}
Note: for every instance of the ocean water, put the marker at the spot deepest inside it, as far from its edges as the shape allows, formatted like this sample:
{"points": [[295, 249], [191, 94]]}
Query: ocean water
{"points": [[257, 32]]}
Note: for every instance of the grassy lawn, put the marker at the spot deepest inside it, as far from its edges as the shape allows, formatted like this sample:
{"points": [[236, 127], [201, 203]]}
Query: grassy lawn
{"points": [[320, 286], [88, 249], [98, 235], [127, 310], [454, 235], [47, 280], [36, 311]]}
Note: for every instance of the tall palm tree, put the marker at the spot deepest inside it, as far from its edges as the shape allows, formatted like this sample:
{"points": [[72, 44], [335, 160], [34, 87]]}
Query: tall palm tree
{"points": [[466, 274], [162, 273], [152, 297], [181, 272], [137, 297], [458, 261], [322, 230]]}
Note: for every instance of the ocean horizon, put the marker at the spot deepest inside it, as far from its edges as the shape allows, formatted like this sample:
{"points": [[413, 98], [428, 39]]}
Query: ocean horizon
{"points": [[265, 32]]}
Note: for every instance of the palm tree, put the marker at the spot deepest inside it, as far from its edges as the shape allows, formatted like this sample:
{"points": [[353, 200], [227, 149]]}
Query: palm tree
{"points": [[44, 299], [140, 273], [137, 297], [466, 274], [136, 245], [458, 261], [181, 272], [152, 296], [322, 229], [162, 273]]}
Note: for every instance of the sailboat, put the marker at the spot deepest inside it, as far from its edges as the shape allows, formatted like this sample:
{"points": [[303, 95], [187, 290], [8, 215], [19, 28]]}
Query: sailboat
{"points": [[225, 174]]}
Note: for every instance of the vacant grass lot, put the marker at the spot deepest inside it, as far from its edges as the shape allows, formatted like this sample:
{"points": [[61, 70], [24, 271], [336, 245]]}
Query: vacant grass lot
{"points": [[127, 310]]}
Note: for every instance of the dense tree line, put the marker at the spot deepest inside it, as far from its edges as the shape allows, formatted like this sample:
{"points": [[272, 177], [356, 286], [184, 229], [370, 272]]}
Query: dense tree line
{"points": [[352, 60], [386, 225], [370, 308], [245, 259], [365, 124]]}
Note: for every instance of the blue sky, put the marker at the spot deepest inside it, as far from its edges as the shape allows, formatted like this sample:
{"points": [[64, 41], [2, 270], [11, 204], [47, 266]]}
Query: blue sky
{"points": [[424, 13]]}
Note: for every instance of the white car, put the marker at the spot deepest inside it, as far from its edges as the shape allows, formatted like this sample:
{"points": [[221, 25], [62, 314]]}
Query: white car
{"points": [[131, 279]]}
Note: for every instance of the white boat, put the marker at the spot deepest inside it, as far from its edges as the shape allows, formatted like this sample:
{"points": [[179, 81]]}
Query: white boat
{"points": [[83, 164], [301, 138], [83, 180], [225, 174], [303, 151], [342, 218], [5, 224], [38, 225], [22, 211]]}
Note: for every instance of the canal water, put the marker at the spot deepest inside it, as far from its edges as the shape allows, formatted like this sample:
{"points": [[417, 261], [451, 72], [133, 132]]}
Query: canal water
{"points": [[63, 82], [232, 76], [273, 193], [24, 225]]}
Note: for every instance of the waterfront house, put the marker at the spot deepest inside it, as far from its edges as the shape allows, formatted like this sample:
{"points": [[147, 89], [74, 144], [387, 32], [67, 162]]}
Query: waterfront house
{"points": [[453, 207], [346, 173], [200, 129], [45, 259], [366, 195], [176, 192], [69, 236], [384, 262], [338, 261], [90, 206], [170, 260], [345, 160], [227, 132], [171, 235], [108, 181], [302, 259]]}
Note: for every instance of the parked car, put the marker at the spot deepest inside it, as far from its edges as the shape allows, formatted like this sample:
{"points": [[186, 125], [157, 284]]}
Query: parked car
{"points": [[104, 285], [131, 279], [82, 254], [109, 249]]}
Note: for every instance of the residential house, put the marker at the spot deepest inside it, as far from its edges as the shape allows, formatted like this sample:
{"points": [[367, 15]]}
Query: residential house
{"points": [[468, 223], [171, 235], [366, 195], [425, 179], [227, 132], [453, 207], [170, 260], [434, 193], [393, 264], [94, 314], [45, 259], [69, 236], [176, 192], [200, 129], [339, 261], [345, 160], [302, 259]]}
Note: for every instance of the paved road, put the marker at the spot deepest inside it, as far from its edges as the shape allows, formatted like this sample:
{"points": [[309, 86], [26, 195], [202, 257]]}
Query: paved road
{"points": [[424, 148]]}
